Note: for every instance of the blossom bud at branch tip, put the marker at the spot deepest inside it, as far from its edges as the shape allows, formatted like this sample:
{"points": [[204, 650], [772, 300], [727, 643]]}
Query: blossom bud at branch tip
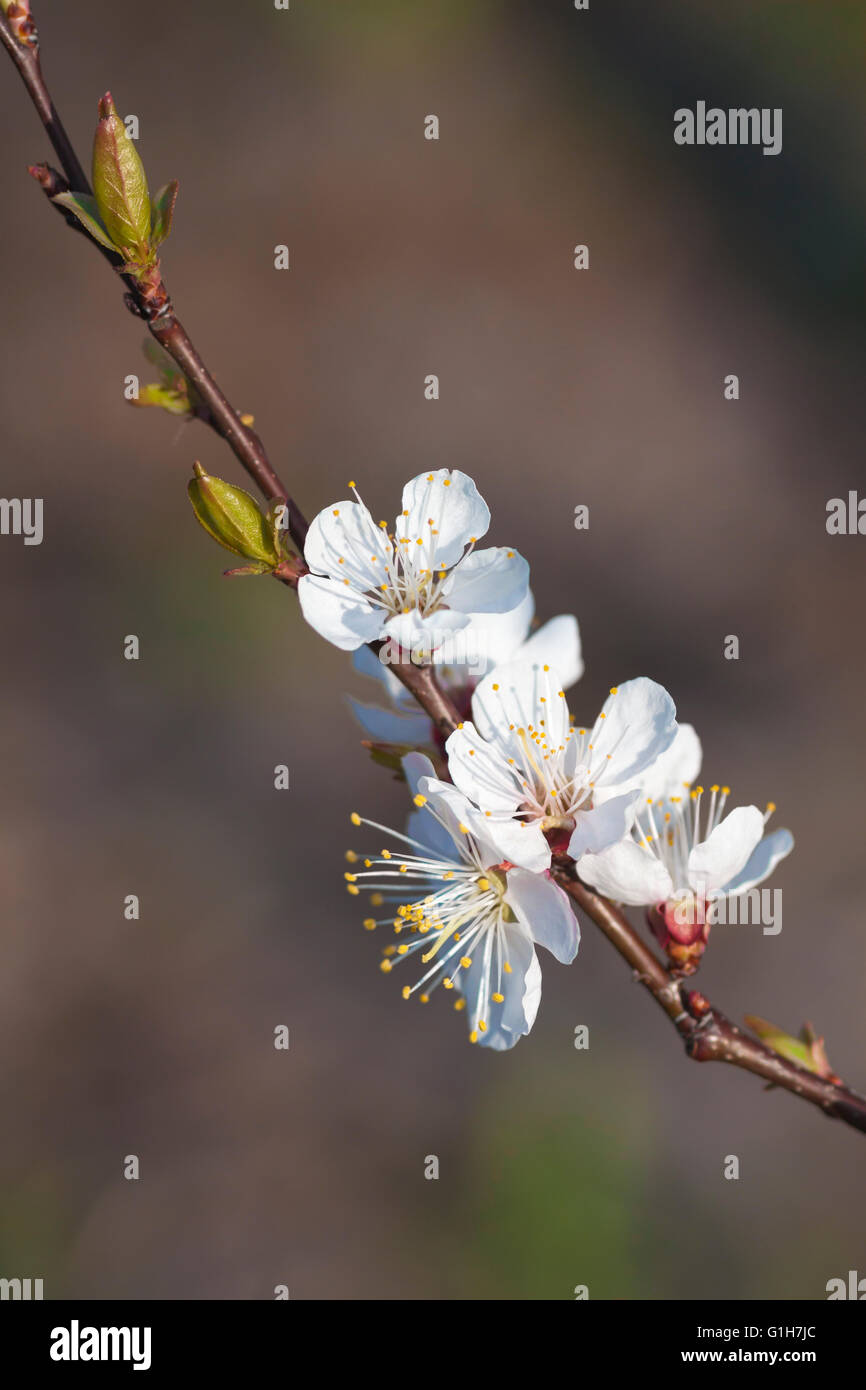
{"points": [[21, 21], [120, 185]]}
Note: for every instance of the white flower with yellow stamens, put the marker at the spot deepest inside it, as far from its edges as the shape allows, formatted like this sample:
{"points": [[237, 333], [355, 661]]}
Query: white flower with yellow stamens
{"points": [[467, 919], [683, 849], [543, 783], [490, 640], [415, 585]]}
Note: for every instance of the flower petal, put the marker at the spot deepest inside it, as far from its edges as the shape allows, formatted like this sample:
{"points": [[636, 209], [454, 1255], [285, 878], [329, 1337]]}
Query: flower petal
{"points": [[525, 695], [482, 772], [423, 826], [338, 613], [445, 511], [546, 912], [556, 644], [418, 636], [455, 811], [344, 542], [639, 724], [386, 726], [726, 851], [519, 842], [415, 766], [676, 767], [487, 581], [369, 663], [487, 640], [628, 873], [521, 989], [761, 862], [603, 826]]}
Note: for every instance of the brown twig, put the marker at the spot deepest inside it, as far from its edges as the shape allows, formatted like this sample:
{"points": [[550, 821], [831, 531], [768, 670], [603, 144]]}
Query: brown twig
{"points": [[706, 1033], [151, 302]]}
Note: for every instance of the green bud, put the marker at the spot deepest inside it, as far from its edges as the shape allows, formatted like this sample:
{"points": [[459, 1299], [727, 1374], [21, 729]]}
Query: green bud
{"points": [[232, 517], [120, 184]]}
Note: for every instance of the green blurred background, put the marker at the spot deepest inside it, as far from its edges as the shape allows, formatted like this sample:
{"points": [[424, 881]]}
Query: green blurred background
{"points": [[305, 1168]]}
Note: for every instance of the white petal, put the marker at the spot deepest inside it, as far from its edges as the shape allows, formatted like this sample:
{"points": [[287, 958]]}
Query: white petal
{"points": [[368, 663], [445, 511], [482, 772], [521, 989], [522, 694], [423, 825], [761, 862], [347, 533], [628, 873], [338, 614], [721, 857], [519, 842], [385, 726], [677, 767], [453, 809], [639, 725], [487, 581], [487, 640], [419, 637], [546, 911], [415, 766], [556, 644], [603, 826]]}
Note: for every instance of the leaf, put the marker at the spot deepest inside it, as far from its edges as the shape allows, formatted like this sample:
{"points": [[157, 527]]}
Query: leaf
{"points": [[169, 398], [84, 208], [794, 1049], [162, 212], [258, 568]]}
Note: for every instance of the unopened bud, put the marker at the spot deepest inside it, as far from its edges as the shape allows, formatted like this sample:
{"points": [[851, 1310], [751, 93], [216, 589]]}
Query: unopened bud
{"points": [[21, 21], [681, 928], [232, 517], [120, 184]]}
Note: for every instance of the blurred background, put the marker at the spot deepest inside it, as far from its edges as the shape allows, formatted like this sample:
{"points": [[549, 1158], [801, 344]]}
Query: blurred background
{"points": [[707, 518]]}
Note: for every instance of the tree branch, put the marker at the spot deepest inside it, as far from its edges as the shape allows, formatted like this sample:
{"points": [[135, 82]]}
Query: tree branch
{"points": [[152, 303], [706, 1033]]}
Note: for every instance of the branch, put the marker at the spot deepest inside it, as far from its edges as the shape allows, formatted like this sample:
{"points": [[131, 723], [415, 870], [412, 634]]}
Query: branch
{"points": [[152, 302], [706, 1033]]}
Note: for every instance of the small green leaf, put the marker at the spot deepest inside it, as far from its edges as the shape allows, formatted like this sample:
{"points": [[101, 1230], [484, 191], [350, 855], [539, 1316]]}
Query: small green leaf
{"points": [[162, 212], [82, 206], [232, 517], [120, 184], [794, 1049], [258, 568], [169, 398]]}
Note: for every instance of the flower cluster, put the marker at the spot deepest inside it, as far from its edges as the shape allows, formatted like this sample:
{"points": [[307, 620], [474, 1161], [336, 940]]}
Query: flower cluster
{"points": [[469, 890]]}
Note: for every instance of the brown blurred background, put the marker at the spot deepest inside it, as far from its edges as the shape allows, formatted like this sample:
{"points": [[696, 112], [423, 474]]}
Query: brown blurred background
{"points": [[603, 387]]}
